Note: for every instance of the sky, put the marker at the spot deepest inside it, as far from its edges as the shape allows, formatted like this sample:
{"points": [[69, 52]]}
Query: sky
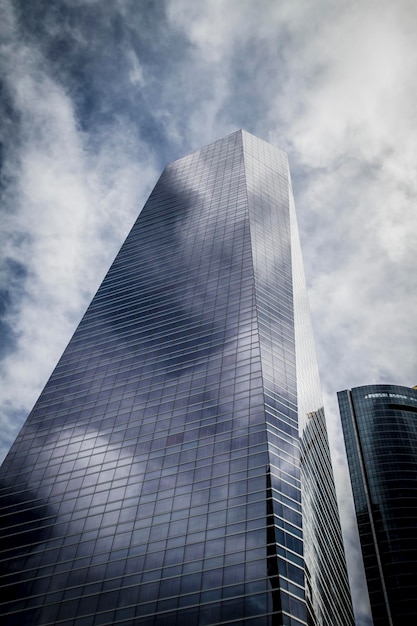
{"points": [[98, 95]]}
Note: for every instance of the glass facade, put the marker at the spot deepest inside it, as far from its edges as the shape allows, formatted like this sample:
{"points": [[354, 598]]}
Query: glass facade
{"points": [[157, 479], [327, 584], [380, 429]]}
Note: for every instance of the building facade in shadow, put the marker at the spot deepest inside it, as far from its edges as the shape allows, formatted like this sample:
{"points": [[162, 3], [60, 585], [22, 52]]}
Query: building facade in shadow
{"points": [[380, 429]]}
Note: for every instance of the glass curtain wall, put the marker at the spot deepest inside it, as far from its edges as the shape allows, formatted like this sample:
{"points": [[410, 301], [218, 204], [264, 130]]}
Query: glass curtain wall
{"points": [[380, 429], [157, 479]]}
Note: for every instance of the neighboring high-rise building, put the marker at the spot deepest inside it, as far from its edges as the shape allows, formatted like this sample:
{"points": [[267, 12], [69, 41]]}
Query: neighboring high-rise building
{"points": [[380, 429], [157, 479]]}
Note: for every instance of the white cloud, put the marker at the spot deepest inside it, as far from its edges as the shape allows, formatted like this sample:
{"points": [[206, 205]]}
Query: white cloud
{"points": [[67, 212], [136, 72], [332, 83]]}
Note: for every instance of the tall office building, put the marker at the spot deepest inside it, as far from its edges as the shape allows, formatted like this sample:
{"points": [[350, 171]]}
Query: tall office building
{"points": [[157, 479], [380, 429]]}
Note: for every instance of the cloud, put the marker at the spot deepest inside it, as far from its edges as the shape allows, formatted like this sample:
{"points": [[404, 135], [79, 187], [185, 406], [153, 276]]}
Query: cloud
{"points": [[332, 84], [98, 96], [66, 207]]}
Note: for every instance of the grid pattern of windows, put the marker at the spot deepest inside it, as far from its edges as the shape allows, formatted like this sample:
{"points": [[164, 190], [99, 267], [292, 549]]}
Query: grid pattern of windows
{"points": [[157, 479], [380, 430], [268, 201], [327, 584]]}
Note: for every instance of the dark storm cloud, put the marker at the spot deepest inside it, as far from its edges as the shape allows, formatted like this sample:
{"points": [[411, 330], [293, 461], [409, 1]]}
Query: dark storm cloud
{"points": [[77, 147], [110, 57]]}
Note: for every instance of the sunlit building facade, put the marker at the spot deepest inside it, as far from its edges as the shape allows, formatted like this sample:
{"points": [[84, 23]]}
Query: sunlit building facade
{"points": [[157, 480], [380, 430]]}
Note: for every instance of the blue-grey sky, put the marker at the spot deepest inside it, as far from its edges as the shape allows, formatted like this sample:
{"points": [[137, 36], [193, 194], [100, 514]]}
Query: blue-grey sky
{"points": [[97, 95]]}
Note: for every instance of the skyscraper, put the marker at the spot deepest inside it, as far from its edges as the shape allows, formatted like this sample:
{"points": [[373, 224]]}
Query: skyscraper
{"points": [[380, 429], [157, 479]]}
